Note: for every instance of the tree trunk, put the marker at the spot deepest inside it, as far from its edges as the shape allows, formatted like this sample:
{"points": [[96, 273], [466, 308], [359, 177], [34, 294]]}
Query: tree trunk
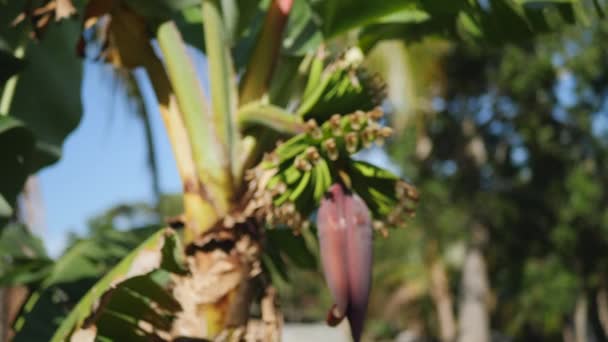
{"points": [[11, 299], [4, 326], [602, 309], [31, 213], [580, 318], [31, 208], [474, 323], [440, 291], [567, 333]]}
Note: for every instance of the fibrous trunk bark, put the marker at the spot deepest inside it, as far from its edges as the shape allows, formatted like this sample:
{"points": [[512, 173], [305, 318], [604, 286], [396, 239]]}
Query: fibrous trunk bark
{"points": [[217, 295]]}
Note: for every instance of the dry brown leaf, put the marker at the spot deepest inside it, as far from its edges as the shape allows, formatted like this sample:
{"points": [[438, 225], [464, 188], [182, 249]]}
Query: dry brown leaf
{"points": [[64, 10], [84, 335], [96, 9], [43, 21], [213, 277], [129, 43], [145, 261], [49, 7], [40, 17], [123, 35], [271, 316]]}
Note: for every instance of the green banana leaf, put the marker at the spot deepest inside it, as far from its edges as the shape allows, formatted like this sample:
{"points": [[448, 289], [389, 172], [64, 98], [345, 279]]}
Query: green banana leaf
{"points": [[116, 306]]}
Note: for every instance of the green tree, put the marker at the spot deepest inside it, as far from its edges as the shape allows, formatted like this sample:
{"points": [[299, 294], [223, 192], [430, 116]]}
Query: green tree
{"points": [[512, 157]]}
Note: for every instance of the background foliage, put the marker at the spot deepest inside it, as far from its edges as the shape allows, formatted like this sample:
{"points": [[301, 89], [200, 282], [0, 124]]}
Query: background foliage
{"points": [[505, 129]]}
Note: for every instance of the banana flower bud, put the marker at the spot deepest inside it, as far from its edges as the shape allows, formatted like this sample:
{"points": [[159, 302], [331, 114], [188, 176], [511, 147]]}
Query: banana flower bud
{"points": [[345, 238]]}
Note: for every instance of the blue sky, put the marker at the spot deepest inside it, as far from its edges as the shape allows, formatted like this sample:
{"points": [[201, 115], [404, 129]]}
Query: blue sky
{"points": [[104, 159]]}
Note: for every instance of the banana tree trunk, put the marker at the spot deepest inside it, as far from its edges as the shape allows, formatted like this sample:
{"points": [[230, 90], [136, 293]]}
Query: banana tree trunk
{"points": [[474, 322], [217, 295]]}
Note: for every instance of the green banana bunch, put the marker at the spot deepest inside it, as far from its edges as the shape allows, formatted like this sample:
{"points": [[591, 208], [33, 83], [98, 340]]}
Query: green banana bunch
{"points": [[340, 87], [390, 199], [301, 170]]}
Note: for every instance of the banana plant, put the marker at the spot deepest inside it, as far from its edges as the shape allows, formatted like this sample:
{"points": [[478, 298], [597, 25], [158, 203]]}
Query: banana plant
{"points": [[274, 139]]}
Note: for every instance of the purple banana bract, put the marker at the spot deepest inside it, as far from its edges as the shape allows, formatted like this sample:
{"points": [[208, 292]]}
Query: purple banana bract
{"points": [[345, 237]]}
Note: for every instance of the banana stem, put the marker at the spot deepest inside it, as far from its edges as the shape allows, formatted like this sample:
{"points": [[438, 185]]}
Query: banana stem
{"points": [[208, 151], [270, 116], [265, 55], [199, 213], [223, 83]]}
